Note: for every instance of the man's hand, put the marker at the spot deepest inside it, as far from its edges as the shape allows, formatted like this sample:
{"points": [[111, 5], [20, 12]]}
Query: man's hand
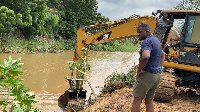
{"points": [[140, 72]]}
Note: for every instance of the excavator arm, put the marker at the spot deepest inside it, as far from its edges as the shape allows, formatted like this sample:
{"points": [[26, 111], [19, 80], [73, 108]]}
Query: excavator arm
{"points": [[121, 29]]}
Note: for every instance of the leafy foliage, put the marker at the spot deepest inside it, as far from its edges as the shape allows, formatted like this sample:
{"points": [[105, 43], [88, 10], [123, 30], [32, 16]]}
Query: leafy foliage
{"points": [[48, 17], [56, 19], [23, 99], [77, 13], [80, 66], [8, 20], [127, 79], [188, 5], [36, 18]]}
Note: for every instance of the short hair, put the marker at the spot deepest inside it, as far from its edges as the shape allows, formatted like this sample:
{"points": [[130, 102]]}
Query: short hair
{"points": [[145, 26]]}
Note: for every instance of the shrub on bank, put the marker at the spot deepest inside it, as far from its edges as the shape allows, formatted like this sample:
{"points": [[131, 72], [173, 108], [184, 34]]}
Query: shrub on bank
{"points": [[119, 80], [16, 45], [118, 45]]}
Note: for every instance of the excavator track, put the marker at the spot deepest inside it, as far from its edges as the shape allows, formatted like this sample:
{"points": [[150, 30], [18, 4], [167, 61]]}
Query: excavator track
{"points": [[166, 88]]}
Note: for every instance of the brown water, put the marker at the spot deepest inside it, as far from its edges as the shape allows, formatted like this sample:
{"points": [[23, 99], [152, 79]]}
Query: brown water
{"points": [[44, 73]]}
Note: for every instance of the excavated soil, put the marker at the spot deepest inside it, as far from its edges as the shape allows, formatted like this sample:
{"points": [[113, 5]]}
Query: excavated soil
{"points": [[121, 99]]}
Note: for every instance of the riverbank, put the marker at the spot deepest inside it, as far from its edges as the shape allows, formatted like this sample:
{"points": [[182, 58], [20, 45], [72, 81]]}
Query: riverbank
{"points": [[46, 44], [37, 45]]}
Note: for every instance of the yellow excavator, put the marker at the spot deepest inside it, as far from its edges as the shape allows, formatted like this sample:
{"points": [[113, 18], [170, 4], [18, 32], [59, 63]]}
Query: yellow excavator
{"points": [[181, 45]]}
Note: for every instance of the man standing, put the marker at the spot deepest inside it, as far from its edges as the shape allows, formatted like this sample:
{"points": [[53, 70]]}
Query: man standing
{"points": [[161, 27], [149, 70]]}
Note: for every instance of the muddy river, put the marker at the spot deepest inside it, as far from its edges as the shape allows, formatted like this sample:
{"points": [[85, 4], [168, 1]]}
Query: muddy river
{"points": [[44, 73]]}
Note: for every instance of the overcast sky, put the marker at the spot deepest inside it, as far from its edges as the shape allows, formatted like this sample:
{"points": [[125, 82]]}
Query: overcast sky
{"points": [[120, 9]]}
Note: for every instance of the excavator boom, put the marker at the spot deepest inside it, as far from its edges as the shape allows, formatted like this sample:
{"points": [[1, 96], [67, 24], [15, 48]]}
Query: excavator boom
{"points": [[121, 29]]}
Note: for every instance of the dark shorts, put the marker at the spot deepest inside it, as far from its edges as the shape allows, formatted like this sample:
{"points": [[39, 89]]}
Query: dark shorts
{"points": [[145, 85]]}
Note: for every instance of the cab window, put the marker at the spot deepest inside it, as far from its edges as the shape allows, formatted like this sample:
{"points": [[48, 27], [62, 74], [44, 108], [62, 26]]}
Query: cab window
{"points": [[193, 30]]}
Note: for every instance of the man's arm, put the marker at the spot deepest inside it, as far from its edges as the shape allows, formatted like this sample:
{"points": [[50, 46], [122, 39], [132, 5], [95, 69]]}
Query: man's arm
{"points": [[143, 61], [162, 58]]}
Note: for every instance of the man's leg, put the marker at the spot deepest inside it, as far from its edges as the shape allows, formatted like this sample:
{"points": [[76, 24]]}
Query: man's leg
{"points": [[136, 104], [149, 105]]}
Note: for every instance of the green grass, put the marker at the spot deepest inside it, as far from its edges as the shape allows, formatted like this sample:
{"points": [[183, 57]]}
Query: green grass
{"points": [[15, 45], [118, 45]]}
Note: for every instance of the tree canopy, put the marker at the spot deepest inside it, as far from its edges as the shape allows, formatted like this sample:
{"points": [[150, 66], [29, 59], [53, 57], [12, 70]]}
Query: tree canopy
{"points": [[188, 5], [47, 17]]}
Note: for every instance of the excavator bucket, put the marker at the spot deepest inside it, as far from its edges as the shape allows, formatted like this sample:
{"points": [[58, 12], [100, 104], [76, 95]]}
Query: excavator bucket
{"points": [[71, 94]]}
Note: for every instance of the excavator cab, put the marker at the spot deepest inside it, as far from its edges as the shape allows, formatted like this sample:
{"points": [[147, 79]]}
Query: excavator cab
{"points": [[190, 46], [185, 54], [183, 46], [189, 53]]}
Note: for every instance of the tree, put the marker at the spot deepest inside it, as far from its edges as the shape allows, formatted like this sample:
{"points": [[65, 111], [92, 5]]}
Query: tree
{"points": [[8, 20], [188, 5], [76, 13], [36, 17], [55, 17]]}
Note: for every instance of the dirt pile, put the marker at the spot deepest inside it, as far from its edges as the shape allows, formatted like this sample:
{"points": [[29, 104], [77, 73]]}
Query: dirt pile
{"points": [[121, 100]]}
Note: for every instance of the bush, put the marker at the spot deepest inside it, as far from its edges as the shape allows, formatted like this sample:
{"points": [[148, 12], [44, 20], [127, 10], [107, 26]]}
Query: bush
{"points": [[8, 20], [33, 17], [127, 79], [23, 100]]}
